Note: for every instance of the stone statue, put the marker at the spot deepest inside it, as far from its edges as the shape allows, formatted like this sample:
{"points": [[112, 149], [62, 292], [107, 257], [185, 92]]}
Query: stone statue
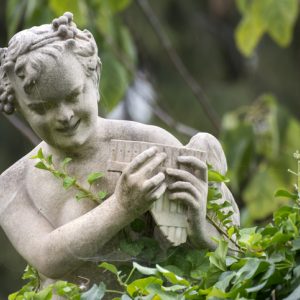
{"points": [[50, 74]]}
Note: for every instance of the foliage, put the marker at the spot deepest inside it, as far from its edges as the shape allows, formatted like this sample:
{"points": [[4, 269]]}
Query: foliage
{"points": [[275, 17], [263, 263], [68, 181], [263, 136]]}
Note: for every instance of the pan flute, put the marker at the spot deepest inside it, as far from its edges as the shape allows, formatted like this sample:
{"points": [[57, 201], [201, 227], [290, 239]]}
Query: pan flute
{"points": [[170, 216]]}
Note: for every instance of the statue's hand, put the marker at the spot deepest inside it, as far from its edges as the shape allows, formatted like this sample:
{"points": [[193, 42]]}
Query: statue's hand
{"points": [[140, 183], [190, 187]]}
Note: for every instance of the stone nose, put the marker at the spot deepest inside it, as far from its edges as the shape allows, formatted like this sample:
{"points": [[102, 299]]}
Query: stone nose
{"points": [[64, 114]]}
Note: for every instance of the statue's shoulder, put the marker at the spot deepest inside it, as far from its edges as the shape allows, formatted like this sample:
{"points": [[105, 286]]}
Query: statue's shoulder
{"points": [[15, 175], [130, 130]]}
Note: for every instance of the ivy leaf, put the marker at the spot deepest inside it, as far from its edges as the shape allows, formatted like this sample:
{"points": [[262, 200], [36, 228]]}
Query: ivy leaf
{"points": [[109, 267], [45, 294], [145, 270], [218, 258], [95, 293], [214, 176], [171, 277], [286, 194], [140, 285], [68, 182], [41, 165], [94, 176], [275, 17]]}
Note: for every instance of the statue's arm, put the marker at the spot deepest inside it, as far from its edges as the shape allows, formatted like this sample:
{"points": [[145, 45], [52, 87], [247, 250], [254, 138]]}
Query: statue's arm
{"points": [[54, 252]]}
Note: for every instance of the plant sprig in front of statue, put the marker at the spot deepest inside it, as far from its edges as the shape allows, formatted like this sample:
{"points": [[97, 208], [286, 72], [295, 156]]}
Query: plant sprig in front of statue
{"points": [[219, 212], [68, 181]]}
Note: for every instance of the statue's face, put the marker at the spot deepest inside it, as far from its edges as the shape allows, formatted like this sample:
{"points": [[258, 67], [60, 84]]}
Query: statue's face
{"points": [[62, 104]]}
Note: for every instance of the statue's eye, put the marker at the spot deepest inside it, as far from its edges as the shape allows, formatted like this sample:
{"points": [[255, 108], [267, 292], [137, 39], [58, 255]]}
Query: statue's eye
{"points": [[39, 108]]}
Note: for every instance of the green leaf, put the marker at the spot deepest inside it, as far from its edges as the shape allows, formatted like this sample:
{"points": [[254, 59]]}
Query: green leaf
{"points": [[171, 277], [81, 195], [94, 176], [156, 289], [40, 154], [276, 17], [109, 267], [286, 194], [64, 288], [45, 294], [248, 33], [95, 293], [281, 16], [114, 81], [102, 195], [132, 248], [50, 159], [140, 285], [218, 258], [145, 270], [68, 182], [214, 176], [41, 165]]}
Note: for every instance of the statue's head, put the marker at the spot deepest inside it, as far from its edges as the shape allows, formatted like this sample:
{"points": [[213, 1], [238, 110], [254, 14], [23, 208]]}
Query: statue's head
{"points": [[50, 73]]}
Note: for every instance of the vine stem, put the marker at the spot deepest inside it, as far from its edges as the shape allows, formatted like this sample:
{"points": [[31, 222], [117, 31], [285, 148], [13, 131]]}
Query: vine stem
{"points": [[239, 250], [129, 276], [76, 184], [115, 292]]}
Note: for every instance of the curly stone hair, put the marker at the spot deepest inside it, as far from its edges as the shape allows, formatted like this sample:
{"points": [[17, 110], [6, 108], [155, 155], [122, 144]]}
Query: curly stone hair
{"points": [[26, 50]]}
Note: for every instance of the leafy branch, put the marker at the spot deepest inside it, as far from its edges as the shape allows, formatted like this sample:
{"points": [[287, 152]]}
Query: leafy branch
{"points": [[68, 181]]}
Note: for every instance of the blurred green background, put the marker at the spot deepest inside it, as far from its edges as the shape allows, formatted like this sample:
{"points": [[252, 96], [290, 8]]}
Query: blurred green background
{"points": [[230, 68]]}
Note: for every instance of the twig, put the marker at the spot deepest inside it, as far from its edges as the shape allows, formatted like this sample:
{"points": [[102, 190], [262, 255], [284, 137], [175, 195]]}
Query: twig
{"points": [[179, 65], [167, 119], [23, 128], [225, 234]]}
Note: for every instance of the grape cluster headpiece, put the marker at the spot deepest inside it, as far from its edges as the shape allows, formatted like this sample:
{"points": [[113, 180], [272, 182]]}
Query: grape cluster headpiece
{"points": [[48, 40]]}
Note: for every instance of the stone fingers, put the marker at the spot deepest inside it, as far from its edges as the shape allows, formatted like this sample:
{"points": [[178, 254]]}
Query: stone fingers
{"points": [[140, 160], [158, 192], [198, 165], [182, 175], [154, 182], [184, 186]]}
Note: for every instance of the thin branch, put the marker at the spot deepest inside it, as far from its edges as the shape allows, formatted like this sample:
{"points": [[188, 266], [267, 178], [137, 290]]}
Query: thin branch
{"points": [[167, 119], [23, 128], [179, 65], [239, 250], [157, 110]]}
